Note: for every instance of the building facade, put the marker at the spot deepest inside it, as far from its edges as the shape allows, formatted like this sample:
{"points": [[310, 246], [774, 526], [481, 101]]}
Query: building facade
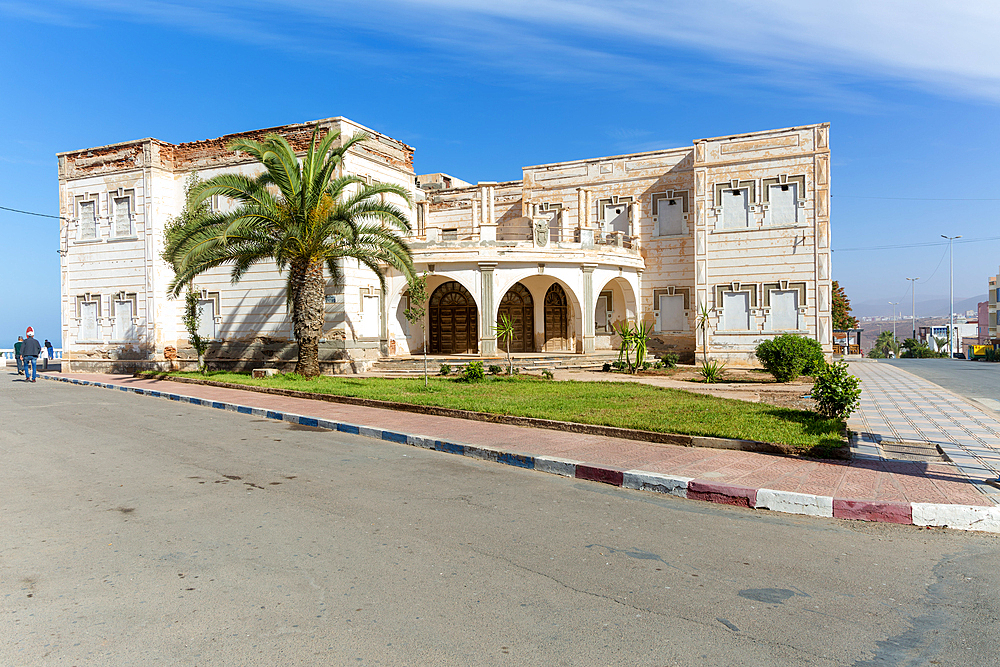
{"points": [[716, 246]]}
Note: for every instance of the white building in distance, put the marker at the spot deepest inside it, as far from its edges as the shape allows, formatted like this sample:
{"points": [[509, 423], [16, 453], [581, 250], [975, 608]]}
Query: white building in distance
{"points": [[732, 232]]}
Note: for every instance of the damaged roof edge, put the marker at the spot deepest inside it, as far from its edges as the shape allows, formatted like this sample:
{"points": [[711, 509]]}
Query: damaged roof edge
{"points": [[746, 135], [234, 135], [659, 151]]}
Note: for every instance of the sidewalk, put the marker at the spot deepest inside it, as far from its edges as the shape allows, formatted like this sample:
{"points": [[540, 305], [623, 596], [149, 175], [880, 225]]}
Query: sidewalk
{"points": [[897, 406], [894, 491]]}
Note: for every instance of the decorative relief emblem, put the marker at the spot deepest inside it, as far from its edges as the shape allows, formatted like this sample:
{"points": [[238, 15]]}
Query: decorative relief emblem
{"points": [[541, 233]]}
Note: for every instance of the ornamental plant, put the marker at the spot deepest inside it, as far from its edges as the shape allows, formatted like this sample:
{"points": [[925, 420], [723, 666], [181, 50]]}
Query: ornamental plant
{"points": [[788, 356], [836, 391]]}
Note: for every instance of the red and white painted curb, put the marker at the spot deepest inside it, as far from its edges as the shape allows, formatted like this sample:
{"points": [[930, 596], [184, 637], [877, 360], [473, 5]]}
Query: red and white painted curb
{"points": [[961, 517]]}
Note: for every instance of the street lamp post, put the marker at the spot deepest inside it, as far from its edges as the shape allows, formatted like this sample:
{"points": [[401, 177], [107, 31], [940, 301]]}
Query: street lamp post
{"points": [[893, 304], [951, 309], [913, 305]]}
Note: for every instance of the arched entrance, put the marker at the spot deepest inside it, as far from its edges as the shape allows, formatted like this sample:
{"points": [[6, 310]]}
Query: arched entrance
{"points": [[452, 316], [518, 305], [556, 319]]}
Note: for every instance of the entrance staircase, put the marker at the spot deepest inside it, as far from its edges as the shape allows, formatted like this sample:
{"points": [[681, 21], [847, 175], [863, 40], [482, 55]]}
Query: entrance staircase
{"points": [[527, 363]]}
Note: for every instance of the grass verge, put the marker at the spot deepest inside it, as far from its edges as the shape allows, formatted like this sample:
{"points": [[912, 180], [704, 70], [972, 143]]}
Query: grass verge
{"points": [[619, 404]]}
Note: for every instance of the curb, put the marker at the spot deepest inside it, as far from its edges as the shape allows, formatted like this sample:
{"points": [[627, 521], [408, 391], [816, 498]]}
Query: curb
{"points": [[656, 437], [960, 517]]}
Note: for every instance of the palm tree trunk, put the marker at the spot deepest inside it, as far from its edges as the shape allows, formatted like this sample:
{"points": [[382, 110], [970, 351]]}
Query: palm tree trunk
{"points": [[308, 313]]}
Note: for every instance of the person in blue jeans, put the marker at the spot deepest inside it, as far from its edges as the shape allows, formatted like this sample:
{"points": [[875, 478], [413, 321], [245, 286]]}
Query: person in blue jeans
{"points": [[30, 350]]}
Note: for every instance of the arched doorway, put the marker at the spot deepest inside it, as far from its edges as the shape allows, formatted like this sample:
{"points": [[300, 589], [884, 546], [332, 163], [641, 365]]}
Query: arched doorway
{"points": [[518, 305], [556, 319], [453, 315]]}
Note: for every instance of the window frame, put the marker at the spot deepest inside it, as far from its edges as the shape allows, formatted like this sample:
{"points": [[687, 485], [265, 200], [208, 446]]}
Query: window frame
{"points": [[88, 198], [670, 195], [671, 290], [98, 316], [113, 197]]}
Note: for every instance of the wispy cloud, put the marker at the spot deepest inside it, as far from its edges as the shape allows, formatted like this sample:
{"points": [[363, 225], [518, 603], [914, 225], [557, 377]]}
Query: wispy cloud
{"points": [[946, 48]]}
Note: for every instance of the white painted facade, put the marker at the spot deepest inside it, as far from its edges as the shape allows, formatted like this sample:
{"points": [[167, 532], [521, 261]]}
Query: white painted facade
{"points": [[735, 227]]}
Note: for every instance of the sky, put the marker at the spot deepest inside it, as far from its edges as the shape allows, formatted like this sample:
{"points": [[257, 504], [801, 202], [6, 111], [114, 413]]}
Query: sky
{"points": [[480, 89]]}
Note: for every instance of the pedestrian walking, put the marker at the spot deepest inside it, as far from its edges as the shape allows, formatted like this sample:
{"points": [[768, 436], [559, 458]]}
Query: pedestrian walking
{"points": [[17, 355], [48, 349], [30, 350]]}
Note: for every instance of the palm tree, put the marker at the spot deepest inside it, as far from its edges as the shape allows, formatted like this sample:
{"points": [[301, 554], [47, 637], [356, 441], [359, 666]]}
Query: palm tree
{"points": [[303, 217]]}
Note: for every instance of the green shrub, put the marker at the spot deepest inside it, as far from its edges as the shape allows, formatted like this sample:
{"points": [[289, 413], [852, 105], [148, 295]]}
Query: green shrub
{"points": [[547, 374], [618, 365], [670, 359], [788, 356], [474, 371], [496, 370], [712, 371], [606, 367], [836, 391], [445, 369]]}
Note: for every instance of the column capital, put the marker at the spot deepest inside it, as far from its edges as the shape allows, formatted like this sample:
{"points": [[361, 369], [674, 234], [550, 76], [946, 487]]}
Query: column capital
{"points": [[487, 266], [588, 268]]}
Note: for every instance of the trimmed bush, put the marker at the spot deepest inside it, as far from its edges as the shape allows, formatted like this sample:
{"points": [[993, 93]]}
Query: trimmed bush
{"points": [[474, 371], [836, 391], [445, 369], [669, 359], [496, 370], [788, 356]]}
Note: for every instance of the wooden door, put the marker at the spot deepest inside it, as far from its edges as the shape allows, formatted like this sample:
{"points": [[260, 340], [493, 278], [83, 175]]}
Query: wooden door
{"points": [[518, 305], [453, 314], [556, 319]]}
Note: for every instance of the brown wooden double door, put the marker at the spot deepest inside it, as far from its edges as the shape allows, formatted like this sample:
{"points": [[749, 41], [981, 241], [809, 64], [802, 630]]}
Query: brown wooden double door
{"points": [[518, 305], [556, 320], [453, 320]]}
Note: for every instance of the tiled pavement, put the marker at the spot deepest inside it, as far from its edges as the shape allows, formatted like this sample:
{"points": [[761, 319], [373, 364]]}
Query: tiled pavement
{"points": [[897, 406], [870, 480]]}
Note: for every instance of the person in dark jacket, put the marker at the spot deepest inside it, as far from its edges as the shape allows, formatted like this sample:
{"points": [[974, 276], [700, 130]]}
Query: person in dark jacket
{"points": [[17, 355], [30, 350]]}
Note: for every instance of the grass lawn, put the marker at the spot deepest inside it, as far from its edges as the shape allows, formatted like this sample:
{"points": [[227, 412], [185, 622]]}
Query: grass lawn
{"points": [[619, 404]]}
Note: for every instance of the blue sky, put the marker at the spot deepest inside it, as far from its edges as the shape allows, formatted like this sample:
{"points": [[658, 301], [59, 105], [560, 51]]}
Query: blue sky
{"points": [[481, 89]]}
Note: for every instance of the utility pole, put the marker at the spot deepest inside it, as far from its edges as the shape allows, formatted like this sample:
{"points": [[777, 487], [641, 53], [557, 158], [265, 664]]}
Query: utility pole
{"points": [[951, 309], [913, 306], [894, 304]]}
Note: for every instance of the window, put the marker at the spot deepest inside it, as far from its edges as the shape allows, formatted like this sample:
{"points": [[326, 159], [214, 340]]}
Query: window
{"points": [[732, 204], [784, 309], [615, 214], [669, 213], [735, 209], [781, 199], [88, 310], [87, 212], [124, 313], [122, 216], [736, 311], [670, 306]]}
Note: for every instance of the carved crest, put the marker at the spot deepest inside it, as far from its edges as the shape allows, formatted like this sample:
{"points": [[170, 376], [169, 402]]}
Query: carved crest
{"points": [[541, 232]]}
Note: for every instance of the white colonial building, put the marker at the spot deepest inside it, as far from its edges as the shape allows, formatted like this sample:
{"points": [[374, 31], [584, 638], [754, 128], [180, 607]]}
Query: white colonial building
{"points": [[733, 228]]}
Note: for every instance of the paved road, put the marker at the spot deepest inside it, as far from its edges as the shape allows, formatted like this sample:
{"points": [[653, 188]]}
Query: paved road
{"points": [[139, 531], [970, 379]]}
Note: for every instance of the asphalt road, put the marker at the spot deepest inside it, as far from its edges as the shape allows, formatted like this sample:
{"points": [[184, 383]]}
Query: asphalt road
{"points": [[136, 531], [971, 379]]}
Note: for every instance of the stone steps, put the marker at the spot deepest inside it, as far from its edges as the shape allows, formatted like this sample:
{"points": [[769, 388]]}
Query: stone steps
{"points": [[414, 365]]}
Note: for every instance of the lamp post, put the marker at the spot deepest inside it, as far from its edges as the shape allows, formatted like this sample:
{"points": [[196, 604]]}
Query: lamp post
{"points": [[913, 306], [894, 304], [951, 308]]}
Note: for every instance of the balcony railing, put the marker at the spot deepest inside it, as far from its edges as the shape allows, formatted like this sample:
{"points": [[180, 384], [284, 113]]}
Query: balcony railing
{"points": [[523, 236]]}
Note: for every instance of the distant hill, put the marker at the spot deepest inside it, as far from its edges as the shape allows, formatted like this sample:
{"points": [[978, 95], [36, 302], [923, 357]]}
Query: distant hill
{"points": [[937, 307]]}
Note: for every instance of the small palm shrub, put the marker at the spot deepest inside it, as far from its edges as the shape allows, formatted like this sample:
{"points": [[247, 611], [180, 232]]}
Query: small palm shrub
{"points": [[836, 391], [712, 371], [445, 369], [474, 371], [547, 374], [788, 356]]}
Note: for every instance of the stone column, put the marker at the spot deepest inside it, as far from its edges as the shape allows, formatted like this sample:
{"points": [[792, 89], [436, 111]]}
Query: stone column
{"points": [[589, 341], [487, 334]]}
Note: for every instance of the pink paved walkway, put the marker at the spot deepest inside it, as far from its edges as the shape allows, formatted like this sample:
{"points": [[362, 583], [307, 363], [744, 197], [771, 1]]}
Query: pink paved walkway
{"points": [[869, 480]]}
